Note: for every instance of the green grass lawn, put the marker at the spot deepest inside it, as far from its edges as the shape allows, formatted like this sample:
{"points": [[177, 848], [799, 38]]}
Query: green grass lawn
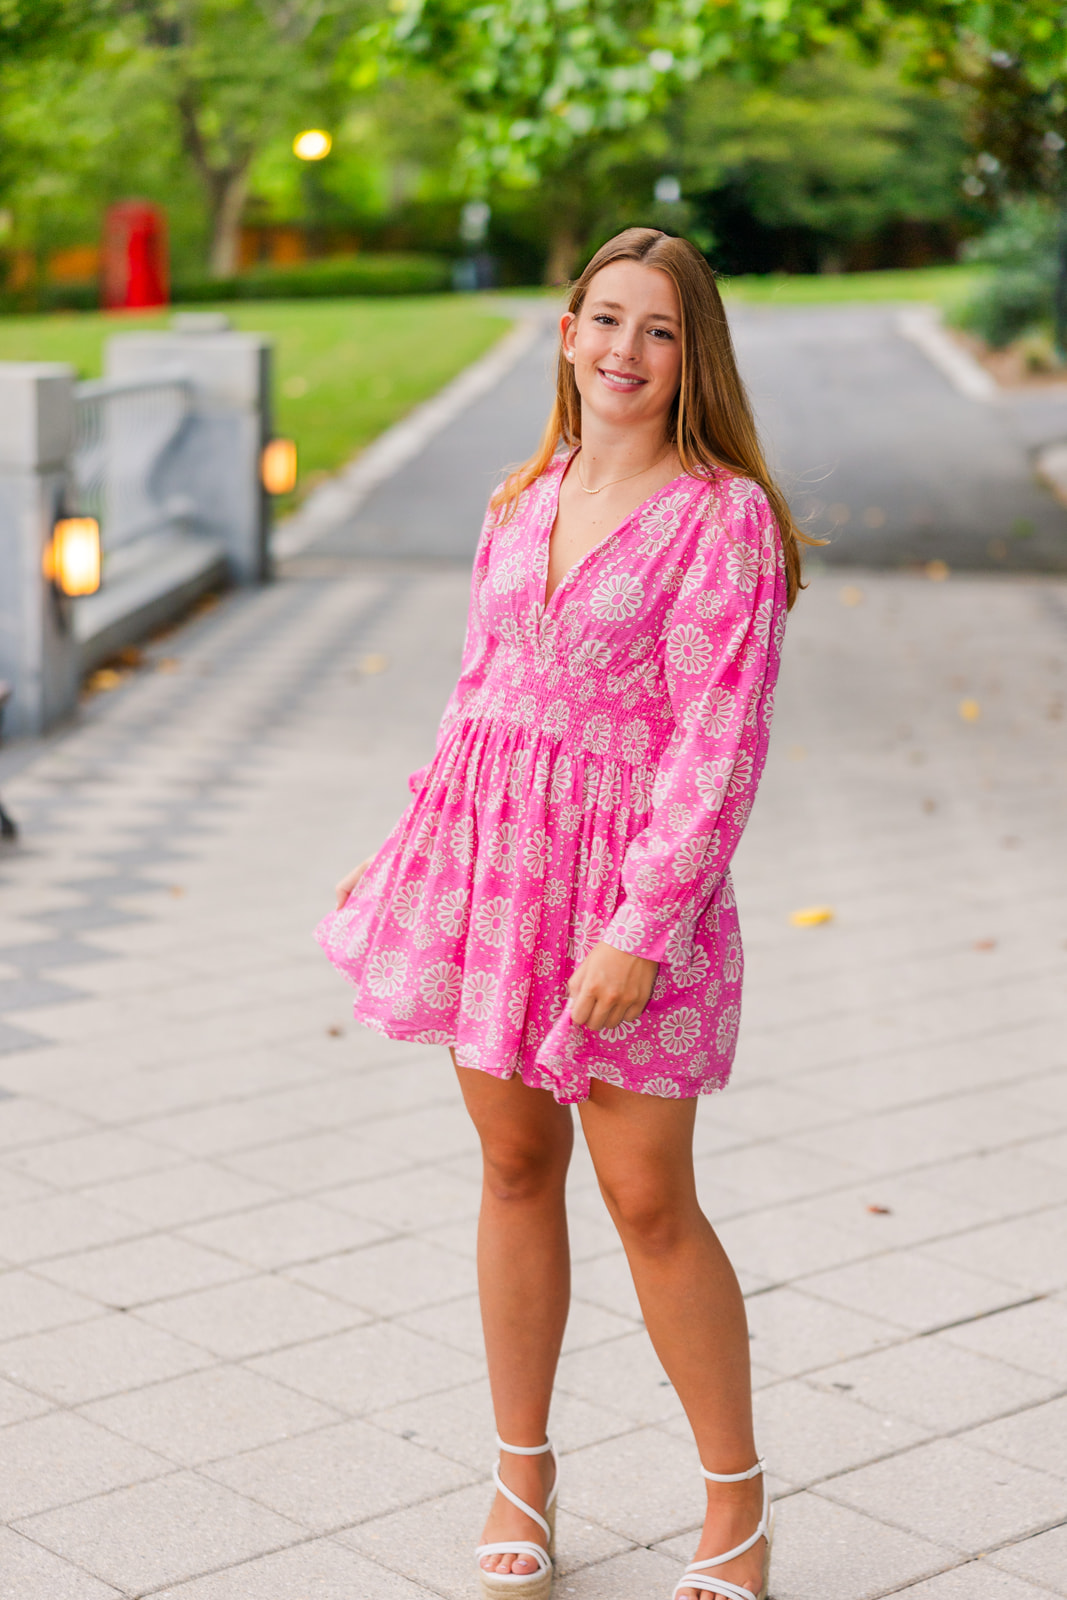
{"points": [[947, 287], [345, 369]]}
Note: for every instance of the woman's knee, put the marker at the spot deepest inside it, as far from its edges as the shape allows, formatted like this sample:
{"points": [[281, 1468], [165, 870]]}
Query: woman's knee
{"points": [[521, 1168], [650, 1214]]}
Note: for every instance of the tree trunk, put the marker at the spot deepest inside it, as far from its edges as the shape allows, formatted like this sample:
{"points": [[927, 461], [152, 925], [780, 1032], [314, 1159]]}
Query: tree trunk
{"points": [[225, 186], [562, 252], [228, 191]]}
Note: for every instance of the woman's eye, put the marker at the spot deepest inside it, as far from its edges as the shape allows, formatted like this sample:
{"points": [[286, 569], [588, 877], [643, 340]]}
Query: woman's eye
{"points": [[602, 316], [662, 333]]}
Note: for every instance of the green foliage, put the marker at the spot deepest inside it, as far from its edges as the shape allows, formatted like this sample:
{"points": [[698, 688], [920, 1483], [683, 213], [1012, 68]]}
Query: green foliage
{"points": [[1018, 297], [334, 278], [28, 27], [78, 133], [836, 147], [535, 77], [538, 77]]}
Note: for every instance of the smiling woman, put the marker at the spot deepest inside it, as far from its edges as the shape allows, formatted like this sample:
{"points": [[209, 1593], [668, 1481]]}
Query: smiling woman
{"points": [[556, 906]]}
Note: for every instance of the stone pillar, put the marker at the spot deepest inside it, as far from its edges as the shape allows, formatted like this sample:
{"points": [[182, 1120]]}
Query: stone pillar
{"points": [[221, 447], [38, 652]]}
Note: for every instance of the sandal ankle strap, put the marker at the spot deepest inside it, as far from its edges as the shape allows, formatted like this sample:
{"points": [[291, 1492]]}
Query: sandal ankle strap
{"points": [[733, 1477], [527, 1449]]}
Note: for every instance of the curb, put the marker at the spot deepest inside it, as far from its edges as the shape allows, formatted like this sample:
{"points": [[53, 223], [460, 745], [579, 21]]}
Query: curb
{"points": [[921, 326], [1050, 464]]}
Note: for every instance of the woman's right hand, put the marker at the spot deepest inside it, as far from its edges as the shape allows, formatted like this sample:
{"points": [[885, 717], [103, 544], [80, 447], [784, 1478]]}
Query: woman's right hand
{"points": [[349, 881]]}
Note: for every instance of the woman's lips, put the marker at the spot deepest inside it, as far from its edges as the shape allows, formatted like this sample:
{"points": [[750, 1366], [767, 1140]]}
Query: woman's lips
{"points": [[622, 381]]}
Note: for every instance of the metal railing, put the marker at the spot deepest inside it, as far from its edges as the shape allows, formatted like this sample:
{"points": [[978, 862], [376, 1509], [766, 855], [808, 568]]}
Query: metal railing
{"points": [[127, 432]]}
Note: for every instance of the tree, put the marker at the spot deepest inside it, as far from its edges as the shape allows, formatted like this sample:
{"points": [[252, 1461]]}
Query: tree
{"points": [[235, 72], [835, 148]]}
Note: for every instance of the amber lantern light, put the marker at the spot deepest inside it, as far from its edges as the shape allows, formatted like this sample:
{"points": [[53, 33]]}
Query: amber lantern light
{"points": [[72, 556], [278, 466]]}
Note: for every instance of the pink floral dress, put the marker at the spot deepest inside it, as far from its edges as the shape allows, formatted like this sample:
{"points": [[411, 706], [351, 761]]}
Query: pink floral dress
{"points": [[595, 767]]}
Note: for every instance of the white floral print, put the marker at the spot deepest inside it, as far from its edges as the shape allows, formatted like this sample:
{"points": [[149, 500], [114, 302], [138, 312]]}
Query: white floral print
{"points": [[504, 848], [491, 921], [387, 972], [451, 911], [406, 904], [480, 991], [715, 711], [689, 649], [595, 766], [617, 599], [536, 853], [441, 984]]}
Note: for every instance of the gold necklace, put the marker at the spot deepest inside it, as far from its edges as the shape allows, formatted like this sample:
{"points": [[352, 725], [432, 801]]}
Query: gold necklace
{"points": [[614, 481]]}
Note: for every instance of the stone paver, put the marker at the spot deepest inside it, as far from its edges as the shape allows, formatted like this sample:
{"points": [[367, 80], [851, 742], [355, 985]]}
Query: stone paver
{"points": [[239, 1350]]}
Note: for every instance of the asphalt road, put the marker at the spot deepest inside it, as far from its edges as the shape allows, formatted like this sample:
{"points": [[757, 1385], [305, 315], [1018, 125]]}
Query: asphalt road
{"points": [[876, 449]]}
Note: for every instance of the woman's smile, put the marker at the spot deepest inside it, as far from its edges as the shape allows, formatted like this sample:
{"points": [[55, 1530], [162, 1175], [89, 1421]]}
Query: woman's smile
{"points": [[620, 381]]}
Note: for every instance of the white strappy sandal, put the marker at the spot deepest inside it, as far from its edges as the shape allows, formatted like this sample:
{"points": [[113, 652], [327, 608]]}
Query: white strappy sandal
{"points": [[523, 1585], [696, 1577]]}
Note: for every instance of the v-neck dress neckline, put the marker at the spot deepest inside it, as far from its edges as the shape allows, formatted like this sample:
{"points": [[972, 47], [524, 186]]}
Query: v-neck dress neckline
{"points": [[545, 600]]}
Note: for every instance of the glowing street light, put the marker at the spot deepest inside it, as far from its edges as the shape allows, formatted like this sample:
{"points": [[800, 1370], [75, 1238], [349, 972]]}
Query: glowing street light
{"points": [[72, 556], [312, 144]]}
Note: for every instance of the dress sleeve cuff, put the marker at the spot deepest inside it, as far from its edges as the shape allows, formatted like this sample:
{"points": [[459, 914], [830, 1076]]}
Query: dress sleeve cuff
{"points": [[639, 933]]}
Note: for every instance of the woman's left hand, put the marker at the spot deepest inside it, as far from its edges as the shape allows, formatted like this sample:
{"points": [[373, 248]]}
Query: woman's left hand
{"points": [[610, 987]]}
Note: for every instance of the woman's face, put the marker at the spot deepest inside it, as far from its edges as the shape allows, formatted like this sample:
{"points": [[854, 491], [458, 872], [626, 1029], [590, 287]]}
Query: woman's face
{"points": [[626, 345]]}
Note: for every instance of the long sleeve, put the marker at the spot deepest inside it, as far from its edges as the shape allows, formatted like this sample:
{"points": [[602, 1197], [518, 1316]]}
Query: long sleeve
{"points": [[721, 649], [475, 648]]}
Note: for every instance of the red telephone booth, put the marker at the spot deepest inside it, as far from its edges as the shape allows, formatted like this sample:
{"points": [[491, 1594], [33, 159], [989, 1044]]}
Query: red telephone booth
{"points": [[136, 273]]}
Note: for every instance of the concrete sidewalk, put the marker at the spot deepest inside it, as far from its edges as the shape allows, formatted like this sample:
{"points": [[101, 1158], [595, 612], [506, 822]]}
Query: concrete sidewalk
{"points": [[238, 1325]]}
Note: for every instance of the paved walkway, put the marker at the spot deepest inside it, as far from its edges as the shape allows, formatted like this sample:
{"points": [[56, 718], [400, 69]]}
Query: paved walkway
{"points": [[878, 449], [875, 446], [238, 1329]]}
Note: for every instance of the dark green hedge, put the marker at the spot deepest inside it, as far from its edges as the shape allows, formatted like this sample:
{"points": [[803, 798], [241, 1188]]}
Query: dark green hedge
{"points": [[334, 279]]}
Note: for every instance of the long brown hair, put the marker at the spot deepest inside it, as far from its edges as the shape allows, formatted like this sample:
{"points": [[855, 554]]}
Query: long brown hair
{"points": [[710, 423]]}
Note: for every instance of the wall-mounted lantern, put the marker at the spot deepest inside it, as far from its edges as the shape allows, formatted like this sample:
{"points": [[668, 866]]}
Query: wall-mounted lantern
{"points": [[312, 144], [277, 466], [72, 556]]}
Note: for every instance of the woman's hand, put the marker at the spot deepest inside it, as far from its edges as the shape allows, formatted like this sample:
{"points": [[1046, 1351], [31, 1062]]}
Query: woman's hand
{"points": [[349, 881], [610, 987]]}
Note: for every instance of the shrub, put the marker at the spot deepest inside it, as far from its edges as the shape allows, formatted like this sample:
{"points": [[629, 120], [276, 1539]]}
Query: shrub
{"points": [[334, 278], [1010, 305], [1021, 249]]}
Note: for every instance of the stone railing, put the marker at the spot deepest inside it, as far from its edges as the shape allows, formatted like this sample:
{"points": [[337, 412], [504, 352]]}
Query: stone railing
{"points": [[164, 452]]}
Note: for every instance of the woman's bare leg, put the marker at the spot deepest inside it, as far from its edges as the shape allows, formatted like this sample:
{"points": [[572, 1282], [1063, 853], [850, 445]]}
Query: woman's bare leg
{"points": [[642, 1149], [523, 1281]]}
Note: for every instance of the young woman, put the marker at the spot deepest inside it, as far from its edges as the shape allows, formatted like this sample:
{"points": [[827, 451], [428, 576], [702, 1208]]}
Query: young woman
{"points": [[555, 905]]}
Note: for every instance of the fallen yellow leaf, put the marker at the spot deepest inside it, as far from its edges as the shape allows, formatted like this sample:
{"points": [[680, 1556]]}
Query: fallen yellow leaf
{"points": [[970, 710], [851, 595], [937, 571], [102, 679], [373, 664], [811, 916]]}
